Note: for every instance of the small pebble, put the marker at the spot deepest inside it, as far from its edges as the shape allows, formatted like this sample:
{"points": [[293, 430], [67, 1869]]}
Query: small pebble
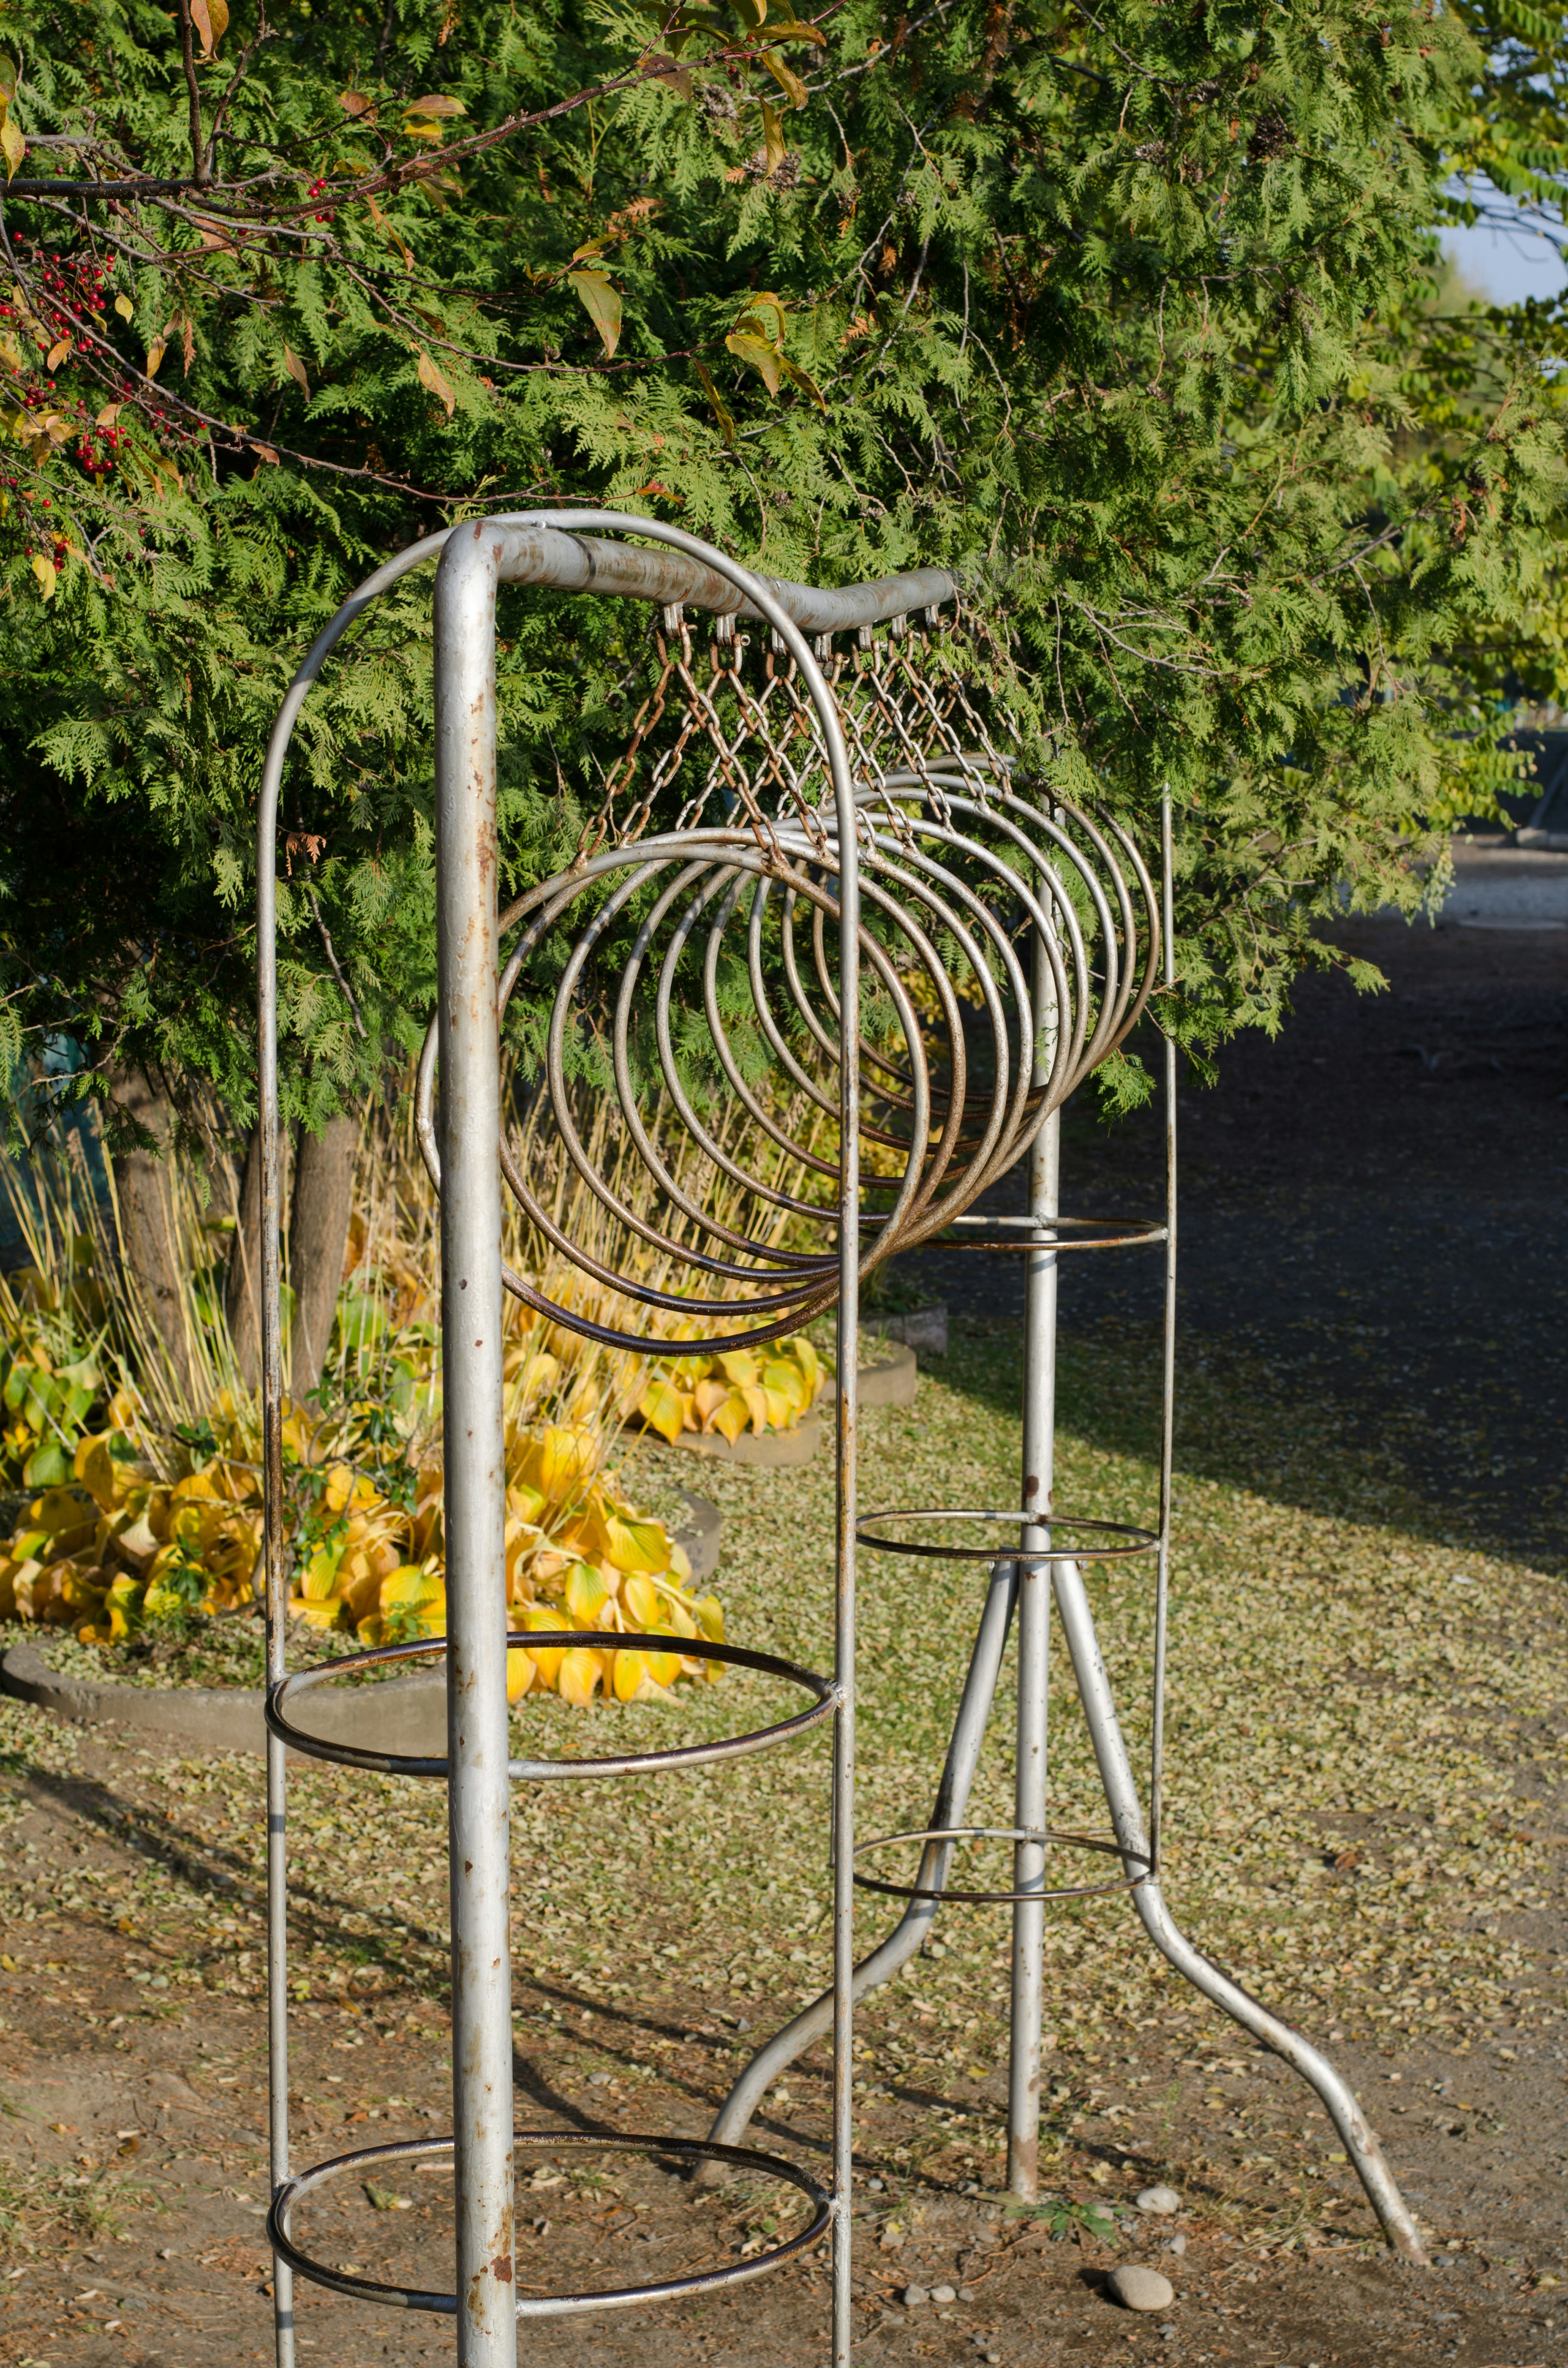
{"points": [[914, 2296], [1140, 2289], [1158, 2199], [944, 2294], [1177, 2244]]}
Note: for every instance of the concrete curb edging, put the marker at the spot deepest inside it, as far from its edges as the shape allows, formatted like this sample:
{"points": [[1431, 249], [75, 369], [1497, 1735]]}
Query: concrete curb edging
{"points": [[405, 1714]]}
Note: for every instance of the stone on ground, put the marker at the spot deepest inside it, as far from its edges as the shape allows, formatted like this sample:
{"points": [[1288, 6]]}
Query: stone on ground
{"points": [[1140, 2289]]}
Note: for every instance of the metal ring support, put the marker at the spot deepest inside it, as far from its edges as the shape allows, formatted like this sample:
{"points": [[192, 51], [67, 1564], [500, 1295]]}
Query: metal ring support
{"points": [[1131, 1540], [539, 1772], [753, 2160], [1045, 1836]]}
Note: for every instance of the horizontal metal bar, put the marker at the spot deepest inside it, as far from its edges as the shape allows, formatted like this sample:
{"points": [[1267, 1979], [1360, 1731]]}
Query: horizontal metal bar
{"points": [[584, 563]]}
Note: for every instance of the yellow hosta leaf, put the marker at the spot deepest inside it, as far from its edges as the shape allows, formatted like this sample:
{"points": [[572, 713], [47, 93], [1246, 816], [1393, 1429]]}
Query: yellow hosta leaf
{"points": [[643, 1603], [580, 1676], [730, 1419], [631, 1676], [739, 1366], [664, 1668], [633, 1546], [519, 1674], [710, 1618], [810, 1363], [56, 1511], [537, 1377], [782, 1412], [339, 1487], [548, 1662], [586, 1594], [524, 1504], [756, 1407], [561, 1458], [663, 1408], [783, 1378]]}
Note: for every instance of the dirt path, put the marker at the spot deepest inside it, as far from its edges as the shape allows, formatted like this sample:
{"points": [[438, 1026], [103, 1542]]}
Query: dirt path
{"points": [[133, 2200], [1373, 1240]]}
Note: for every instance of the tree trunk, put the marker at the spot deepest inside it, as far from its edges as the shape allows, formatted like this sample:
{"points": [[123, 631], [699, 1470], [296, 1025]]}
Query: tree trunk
{"points": [[241, 1294], [150, 1245], [318, 1238]]}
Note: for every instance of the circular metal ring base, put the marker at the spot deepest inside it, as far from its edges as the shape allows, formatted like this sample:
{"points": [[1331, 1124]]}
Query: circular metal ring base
{"points": [[1131, 1538], [746, 2158], [986, 1232], [1046, 1834], [685, 1754]]}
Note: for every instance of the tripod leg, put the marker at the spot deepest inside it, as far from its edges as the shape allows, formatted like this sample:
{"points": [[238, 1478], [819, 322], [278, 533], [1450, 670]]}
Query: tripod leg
{"points": [[1127, 1819], [935, 1859]]}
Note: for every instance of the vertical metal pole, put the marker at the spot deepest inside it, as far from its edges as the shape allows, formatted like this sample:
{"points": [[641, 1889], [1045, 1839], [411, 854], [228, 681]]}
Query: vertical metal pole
{"points": [[272, 1533], [1031, 1791], [844, 1628], [1167, 1383], [475, 1472]]}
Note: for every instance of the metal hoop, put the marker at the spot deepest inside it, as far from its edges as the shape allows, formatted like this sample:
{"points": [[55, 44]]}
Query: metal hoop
{"points": [[644, 1763], [748, 2158], [1046, 1834], [1136, 1541]]}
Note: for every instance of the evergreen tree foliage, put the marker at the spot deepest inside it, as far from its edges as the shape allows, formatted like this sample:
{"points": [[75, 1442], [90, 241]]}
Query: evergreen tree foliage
{"points": [[1125, 310]]}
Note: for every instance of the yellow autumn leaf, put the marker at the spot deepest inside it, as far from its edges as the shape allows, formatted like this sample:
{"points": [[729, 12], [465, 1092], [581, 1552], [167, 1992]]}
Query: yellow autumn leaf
{"points": [[772, 135], [434, 381], [537, 1620], [601, 300], [13, 147], [663, 1408], [440, 103], [643, 1604], [728, 1420], [636, 1545], [211, 19], [785, 1380], [738, 1365], [755, 351], [580, 1676], [788, 81], [519, 1673], [559, 1458], [585, 1594], [44, 570], [295, 368], [125, 308], [756, 1407], [631, 1676]]}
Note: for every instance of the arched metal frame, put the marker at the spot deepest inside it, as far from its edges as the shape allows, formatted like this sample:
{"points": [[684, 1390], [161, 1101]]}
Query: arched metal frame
{"points": [[715, 871]]}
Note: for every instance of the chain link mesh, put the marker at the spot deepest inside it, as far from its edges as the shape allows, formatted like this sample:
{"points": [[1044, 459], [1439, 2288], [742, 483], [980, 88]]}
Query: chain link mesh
{"points": [[728, 725]]}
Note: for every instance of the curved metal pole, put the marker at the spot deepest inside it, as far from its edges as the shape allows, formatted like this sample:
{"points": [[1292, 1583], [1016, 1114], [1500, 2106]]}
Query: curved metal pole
{"points": [[1127, 1819], [475, 558], [913, 1926]]}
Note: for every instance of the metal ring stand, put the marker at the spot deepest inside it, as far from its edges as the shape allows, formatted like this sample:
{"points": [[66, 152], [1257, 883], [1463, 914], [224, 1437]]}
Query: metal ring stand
{"points": [[935, 846]]}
